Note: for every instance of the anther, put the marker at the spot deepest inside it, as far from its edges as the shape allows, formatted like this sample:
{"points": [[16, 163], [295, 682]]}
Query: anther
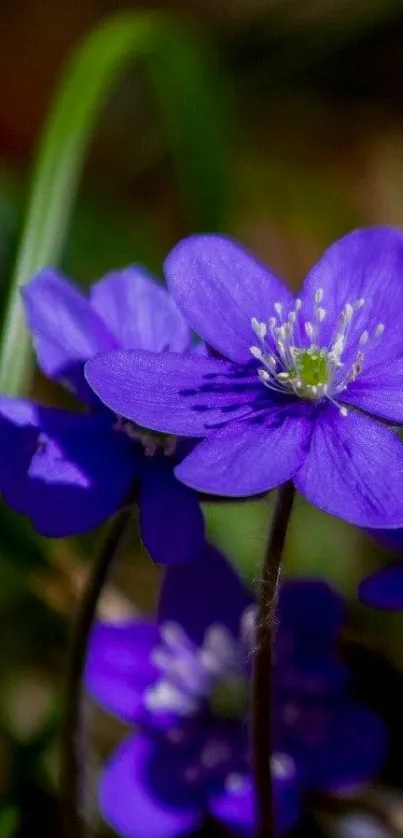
{"points": [[320, 314], [319, 295], [278, 308], [359, 303], [379, 330], [364, 338], [298, 304], [260, 329], [343, 411], [256, 352], [309, 329]]}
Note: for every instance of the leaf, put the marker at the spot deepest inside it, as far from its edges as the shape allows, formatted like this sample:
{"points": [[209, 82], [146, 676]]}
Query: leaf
{"points": [[187, 90]]}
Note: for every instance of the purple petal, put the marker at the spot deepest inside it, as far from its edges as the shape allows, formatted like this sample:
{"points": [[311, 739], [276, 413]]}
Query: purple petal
{"points": [[366, 264], [186, 395], [219, 287], [139, 311], [202, 593], [354, 470], [384, 589], [119, 667], [65, 330], [144, 793], [379, 391], [312, 611], [235, 807], [19, 421], [253, 458], [171, 520], [351, 752], [79, 474]]}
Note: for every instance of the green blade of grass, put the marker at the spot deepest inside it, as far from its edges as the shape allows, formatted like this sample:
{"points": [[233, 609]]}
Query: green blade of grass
{"points": [[186, 87]]}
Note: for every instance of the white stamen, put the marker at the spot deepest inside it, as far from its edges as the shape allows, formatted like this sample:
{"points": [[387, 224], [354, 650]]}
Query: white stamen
{"points": [[364, 338], [256, 352], [260, 329], [298, 304], [359, 303], [235, 783], [379, 330], [320, 314], [278, 308], [309, 329], [319, 295], [343, 411]]}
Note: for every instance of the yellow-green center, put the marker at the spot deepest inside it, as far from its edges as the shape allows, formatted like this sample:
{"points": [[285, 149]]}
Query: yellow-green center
{"points": [[229, 698], [312, 367]]}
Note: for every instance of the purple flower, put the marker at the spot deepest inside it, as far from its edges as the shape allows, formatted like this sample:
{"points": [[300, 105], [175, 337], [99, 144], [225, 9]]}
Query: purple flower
{"points": [[184, 683], [336, 743], [70, 471], [301, 388], [384, 588]]}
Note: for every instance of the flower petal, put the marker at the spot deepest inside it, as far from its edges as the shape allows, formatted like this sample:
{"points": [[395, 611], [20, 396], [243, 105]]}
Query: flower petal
{"points": [[366, 264], [203, 593], [139, 311], [144, 793], [65, 330], [312, 611], [79, 474], [219, 287], [350, 754], [235, 806], [384, 589], [171, 520], [186, 395], [379, 391], [19, 420], [354, 470], [119, 667], [253, 458]]}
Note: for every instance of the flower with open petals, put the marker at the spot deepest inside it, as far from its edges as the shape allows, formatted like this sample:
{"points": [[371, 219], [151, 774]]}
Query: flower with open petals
{"points": [[70, 471], [299, 388], [184, 682]]}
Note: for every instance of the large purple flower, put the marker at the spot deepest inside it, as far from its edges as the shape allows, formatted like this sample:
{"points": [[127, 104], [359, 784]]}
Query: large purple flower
{"points": [[184, 683], [302, 388], [70, 471]]}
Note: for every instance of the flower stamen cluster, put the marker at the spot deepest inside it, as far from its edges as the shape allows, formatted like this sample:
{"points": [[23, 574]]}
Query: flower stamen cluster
{"points": [[310, 370], [153, 443], [191, 676]]}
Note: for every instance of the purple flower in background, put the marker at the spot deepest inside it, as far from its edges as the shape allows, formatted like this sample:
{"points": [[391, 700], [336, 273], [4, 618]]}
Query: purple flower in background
{"points": [[70, 471], [301, 387], [384, 589], [184, 682], [336, 743]]}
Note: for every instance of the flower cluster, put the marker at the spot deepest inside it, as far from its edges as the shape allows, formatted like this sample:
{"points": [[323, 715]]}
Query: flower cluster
{"points": [[70, 471], [294, 388], [183, 681]]}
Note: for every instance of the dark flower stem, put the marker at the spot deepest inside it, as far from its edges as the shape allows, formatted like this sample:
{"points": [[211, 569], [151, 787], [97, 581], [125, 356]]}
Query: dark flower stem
{"points": [[263, 664], [72, 759]]}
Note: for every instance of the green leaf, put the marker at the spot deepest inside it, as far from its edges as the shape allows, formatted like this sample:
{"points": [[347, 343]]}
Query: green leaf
{"points": [[187, 90]]}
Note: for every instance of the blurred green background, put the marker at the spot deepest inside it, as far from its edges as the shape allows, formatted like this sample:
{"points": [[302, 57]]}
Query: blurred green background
{"points": [[309, 101]]}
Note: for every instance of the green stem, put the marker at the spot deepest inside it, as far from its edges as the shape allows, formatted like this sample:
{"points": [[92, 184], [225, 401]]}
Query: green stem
{"points": [[263, 665]]}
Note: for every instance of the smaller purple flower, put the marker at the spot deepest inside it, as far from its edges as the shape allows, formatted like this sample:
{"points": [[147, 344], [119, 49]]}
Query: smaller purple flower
{"points": [[336, 743], [184, 683], [299, 388], [384, 588], [70, 471]]}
